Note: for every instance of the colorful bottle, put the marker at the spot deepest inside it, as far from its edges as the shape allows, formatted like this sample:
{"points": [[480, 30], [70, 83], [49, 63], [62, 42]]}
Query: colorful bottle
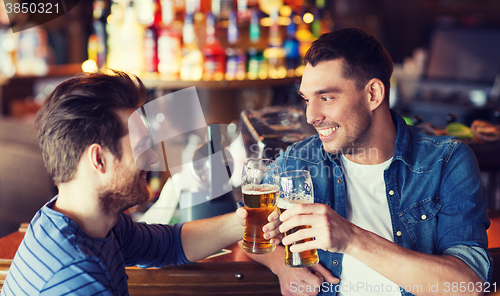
{"points": [[151, 40], [114, 22], [169, 43], [291, 46], [221, 9], [192, 58], [132, 40], [235, 57], [275, 53], [255, 53], [213, 52], [97, 41], [144, 11]]}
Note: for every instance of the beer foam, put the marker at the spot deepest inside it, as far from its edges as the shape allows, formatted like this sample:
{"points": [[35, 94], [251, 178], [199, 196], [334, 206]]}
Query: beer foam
{"points": [[289, 201], [255, 189]]}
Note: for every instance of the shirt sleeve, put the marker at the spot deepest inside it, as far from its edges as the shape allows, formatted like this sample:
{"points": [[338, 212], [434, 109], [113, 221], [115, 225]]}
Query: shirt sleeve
{"points": [[462, 219], [150, 245], [85, 278], [477, 258]]}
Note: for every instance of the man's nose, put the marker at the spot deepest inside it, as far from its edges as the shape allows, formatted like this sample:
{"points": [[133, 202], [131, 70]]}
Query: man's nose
{"points": [[314, 114]]}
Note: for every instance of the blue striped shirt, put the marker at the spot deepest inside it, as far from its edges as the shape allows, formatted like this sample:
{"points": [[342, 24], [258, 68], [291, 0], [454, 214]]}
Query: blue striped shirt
{"points": [[57, 258]]}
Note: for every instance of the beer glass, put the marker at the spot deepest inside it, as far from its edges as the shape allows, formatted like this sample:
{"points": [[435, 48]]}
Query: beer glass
{"points": [[296, 188], [259, 187]]}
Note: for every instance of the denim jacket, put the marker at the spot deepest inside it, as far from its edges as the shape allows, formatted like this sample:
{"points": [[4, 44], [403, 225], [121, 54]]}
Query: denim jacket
{"points": [[433, 188]]}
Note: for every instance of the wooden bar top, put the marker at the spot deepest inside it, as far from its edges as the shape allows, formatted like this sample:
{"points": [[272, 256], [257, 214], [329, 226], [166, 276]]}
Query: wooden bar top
{"points": [[233, 273]]}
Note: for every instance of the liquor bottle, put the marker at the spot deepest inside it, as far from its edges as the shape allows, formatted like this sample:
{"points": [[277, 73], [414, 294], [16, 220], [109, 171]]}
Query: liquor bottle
{"points": [[275, 53], [254, 53], [144, 11], [169, 43], [245, 8], [132, 40], [192, 58], [221, 9], [114, 22], [291, 46], [213, 52], [151, 39], [235, 57], [97, 40]]}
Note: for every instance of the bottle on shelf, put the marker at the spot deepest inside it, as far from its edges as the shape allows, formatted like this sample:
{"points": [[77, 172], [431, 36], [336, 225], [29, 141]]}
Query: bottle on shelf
{"points": [[213, 52], [97, 40], [114, 22], [169, 43], [245, 8], [131, 37], [291, 46], [151, 39], [221, 9], [235, 57], [256, 68], [144, 11], [275, 53], [192, 58]]}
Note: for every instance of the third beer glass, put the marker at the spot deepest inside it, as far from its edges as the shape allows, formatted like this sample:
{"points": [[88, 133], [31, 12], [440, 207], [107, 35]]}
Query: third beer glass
{"points": [[259, 186], [296, 188]]}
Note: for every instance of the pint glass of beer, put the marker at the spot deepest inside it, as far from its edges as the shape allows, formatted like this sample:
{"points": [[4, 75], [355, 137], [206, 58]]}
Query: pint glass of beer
{"points": [[259, 186], [296, 188]]}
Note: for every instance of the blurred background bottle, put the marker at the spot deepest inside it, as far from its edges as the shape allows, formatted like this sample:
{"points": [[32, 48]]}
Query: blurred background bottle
{"points": [[275, 53], [291, 46], [151, 39], [132, 47], [192, 58], [255, 53], [235, 56], [213, 52], [169, 43], [97, 49]]}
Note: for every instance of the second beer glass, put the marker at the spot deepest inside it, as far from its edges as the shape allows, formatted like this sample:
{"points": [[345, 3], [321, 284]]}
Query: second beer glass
{"points": [[259, 187], [296, 188]]}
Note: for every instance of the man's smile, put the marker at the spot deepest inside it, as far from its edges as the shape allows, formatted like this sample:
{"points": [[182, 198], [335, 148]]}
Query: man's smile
{"points": [[326, 133]]}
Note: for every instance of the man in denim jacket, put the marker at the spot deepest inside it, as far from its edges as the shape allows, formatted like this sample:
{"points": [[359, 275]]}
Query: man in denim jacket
{"points": [[396, 212]]}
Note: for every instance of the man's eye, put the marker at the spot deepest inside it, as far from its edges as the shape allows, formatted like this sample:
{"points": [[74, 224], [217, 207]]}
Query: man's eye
{"points": [[326, 98]]}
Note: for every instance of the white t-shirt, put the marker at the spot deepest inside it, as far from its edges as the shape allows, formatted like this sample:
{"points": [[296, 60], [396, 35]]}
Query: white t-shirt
{"points": [[367, 207]]}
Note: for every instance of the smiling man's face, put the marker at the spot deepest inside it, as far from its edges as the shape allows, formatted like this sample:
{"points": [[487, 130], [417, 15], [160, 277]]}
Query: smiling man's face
{"points": [[336, 108]]}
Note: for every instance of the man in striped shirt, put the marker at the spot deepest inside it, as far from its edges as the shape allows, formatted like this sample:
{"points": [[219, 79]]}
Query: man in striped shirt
{"points": [[80, 242]]}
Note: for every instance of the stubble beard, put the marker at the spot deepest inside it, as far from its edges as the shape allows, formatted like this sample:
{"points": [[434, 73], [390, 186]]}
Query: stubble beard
{"points": [[358, 141], [125, 191]]}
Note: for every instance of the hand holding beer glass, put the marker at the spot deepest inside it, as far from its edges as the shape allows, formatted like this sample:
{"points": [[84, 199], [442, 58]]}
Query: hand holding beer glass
{"points": [[259, 186], [296, 188]]}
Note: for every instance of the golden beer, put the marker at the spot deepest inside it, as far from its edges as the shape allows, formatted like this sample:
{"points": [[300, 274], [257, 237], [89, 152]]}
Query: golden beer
{"points": [[297, 259], [260, 202]]}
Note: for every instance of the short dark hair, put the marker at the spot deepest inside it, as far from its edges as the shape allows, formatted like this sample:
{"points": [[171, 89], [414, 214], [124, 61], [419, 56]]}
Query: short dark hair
{"points": [[82, 111], [364, 57]]}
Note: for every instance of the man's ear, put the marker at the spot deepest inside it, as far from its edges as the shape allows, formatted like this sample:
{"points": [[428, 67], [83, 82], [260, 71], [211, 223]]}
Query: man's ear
{"points": [[376, 93], [98, 158]]}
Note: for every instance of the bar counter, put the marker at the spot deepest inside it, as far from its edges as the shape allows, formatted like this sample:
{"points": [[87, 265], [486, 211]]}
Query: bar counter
{"points": [[229, 274]]}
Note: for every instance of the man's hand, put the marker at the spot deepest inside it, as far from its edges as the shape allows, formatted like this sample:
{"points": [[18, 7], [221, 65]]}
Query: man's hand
{"points": [[271, 229], [330, 231]]}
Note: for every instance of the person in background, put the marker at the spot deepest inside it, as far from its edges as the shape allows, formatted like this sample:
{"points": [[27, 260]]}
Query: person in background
{"points": [[396, 212], [80, 242]]}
